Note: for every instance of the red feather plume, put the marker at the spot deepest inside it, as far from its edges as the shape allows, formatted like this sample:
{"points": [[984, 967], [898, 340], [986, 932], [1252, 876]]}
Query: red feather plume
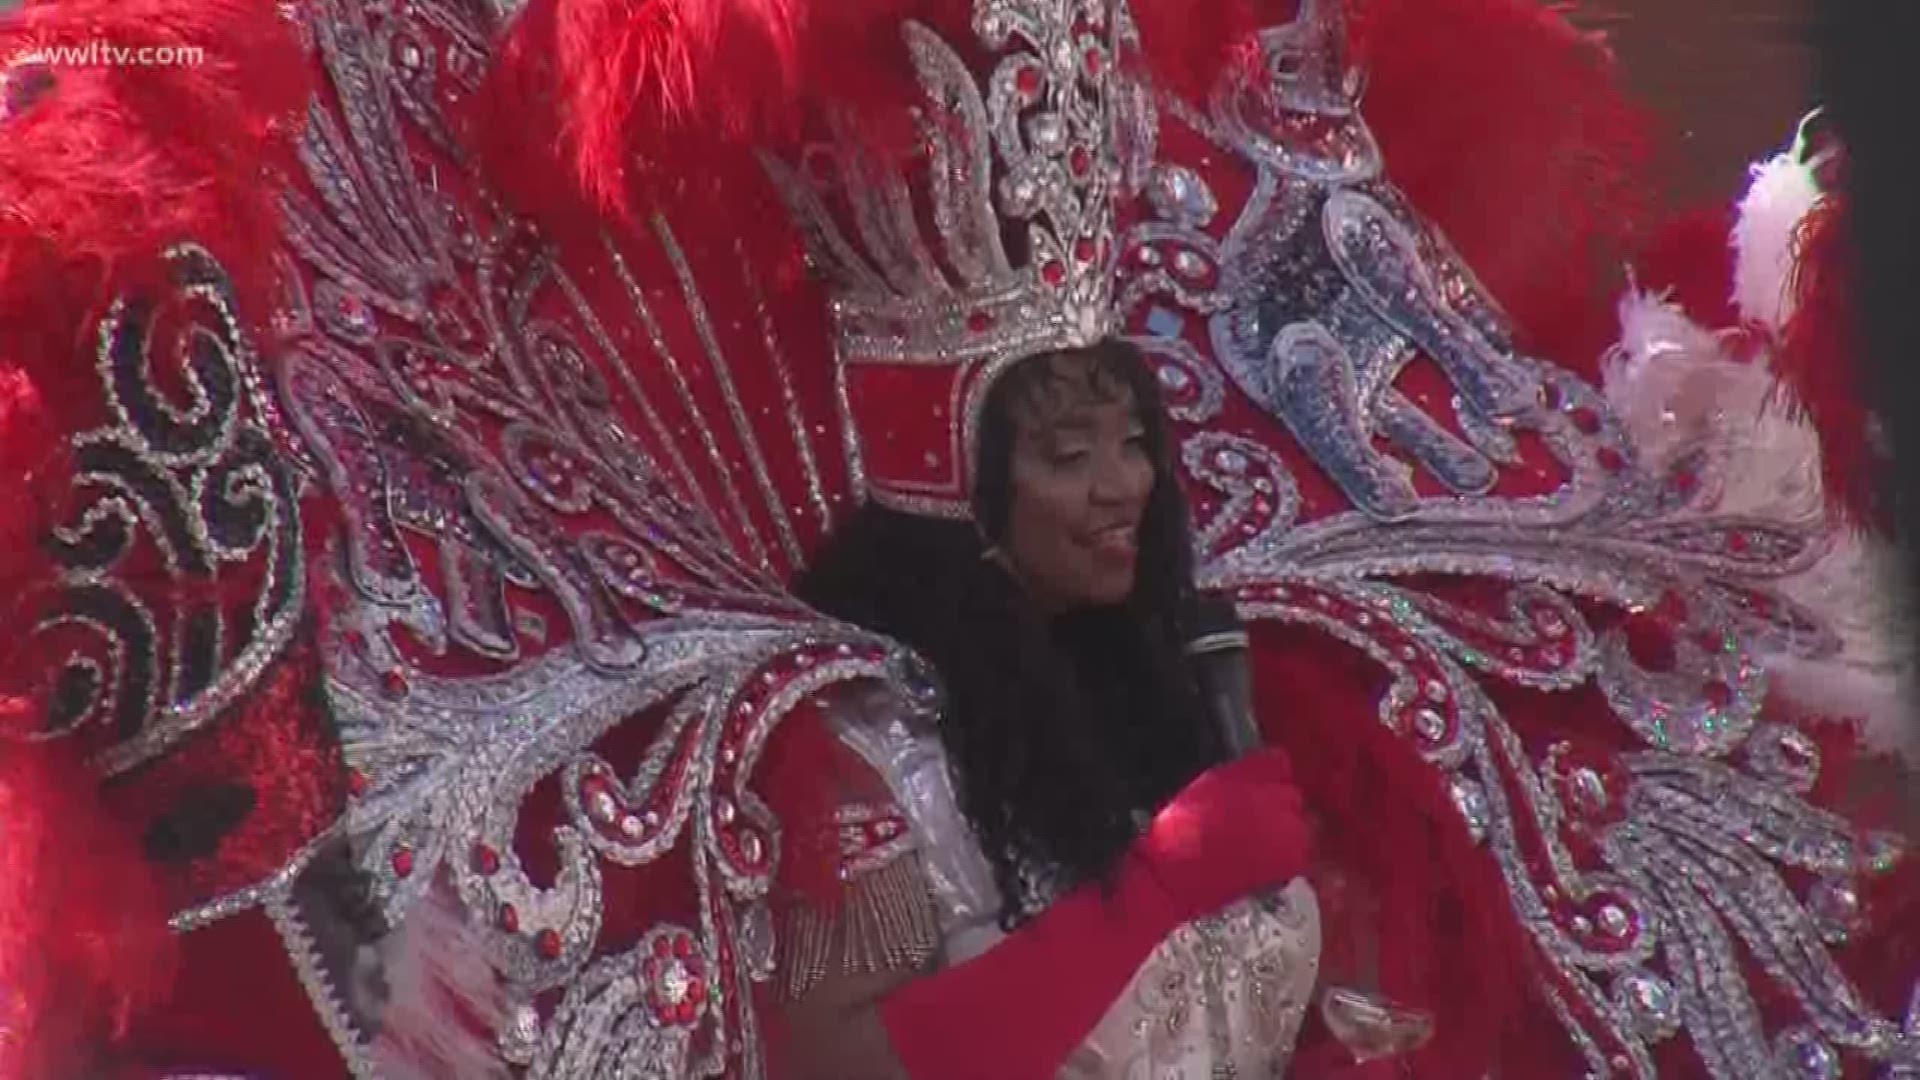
{"points": [[1509, 127], [1819, 365], [84, 941], [103, 166], [651, 98]]}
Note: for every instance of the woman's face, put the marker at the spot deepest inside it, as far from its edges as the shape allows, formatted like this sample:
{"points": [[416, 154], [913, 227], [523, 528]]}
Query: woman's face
{"points": [[1081, 476]]}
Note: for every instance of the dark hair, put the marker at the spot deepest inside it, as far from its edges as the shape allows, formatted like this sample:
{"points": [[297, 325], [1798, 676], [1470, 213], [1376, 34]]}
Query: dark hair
{"points": [[1062, 731]]}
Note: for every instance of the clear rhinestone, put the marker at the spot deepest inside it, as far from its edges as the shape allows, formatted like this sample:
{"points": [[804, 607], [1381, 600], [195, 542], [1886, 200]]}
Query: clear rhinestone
{"points": [[1174, 377], [1048, 133], [1178, 194], [1835, 907], [1429, 725], [1651, 1002], [601, 807], [1614, 920], [632, 827]]}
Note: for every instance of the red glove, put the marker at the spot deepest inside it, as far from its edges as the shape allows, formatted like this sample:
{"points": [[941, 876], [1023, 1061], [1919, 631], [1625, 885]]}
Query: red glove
{"points": [[1018, 1011]]}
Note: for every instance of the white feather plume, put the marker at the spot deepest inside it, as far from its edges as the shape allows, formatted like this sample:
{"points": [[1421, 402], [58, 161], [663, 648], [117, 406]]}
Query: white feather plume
{"points": [[445, 1001], [1677, 388], [1782, 191]]}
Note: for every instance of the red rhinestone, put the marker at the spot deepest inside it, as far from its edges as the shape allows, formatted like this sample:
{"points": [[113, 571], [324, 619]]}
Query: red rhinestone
{"points": [[393, 684], [486, 860], [356, 641], [1080, 161], [509, 919], [1712, 642], [683, 947], [1053, 273], [1610, 459], [1737, 543], [548, 942], [685, 1012], [402, 861], [1586, 420], [1084, 250], [980, 322], [356, 783], [1685, 483], [1719, 694], [1096, 61], [1028, 81], [696, 991], [1760, 605], [662, 947]]}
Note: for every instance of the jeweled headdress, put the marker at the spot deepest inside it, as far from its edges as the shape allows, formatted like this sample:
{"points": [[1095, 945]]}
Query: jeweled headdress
{"points": [[993, 244]]}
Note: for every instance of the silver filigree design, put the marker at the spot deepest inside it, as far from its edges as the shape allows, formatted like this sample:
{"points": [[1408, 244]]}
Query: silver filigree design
{"points": [[198, 488]]}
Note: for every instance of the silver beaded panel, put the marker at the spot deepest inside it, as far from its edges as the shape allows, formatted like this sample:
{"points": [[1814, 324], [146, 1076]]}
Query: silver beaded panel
{"points": [[560, 516]]}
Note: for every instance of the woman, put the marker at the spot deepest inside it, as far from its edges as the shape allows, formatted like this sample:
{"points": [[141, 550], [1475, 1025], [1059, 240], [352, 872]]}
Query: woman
{"points": [[1088, 819]]}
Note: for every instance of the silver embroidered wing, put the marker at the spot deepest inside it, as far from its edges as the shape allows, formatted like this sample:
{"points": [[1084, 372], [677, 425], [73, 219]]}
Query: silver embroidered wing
{"points": [[1371, 458], [569, 487]]}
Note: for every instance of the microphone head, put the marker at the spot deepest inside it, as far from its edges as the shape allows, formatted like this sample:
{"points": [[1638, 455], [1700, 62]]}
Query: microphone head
{"points": [[1217, 643], [1213, 625]]}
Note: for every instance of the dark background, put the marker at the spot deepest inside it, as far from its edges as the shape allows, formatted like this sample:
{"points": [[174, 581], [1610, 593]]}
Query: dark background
{"points": [[1728, 79]]}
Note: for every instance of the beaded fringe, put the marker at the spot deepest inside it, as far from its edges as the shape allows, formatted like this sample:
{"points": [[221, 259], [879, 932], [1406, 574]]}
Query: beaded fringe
{"points": [[885, 921]]}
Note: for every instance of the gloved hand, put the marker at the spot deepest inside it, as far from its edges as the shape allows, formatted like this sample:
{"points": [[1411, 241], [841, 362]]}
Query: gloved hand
{"points": [[1236, 829], [1033, 998]]}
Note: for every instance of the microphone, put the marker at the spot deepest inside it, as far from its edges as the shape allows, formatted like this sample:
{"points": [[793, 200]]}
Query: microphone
{"points": [[1218, 648]]}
